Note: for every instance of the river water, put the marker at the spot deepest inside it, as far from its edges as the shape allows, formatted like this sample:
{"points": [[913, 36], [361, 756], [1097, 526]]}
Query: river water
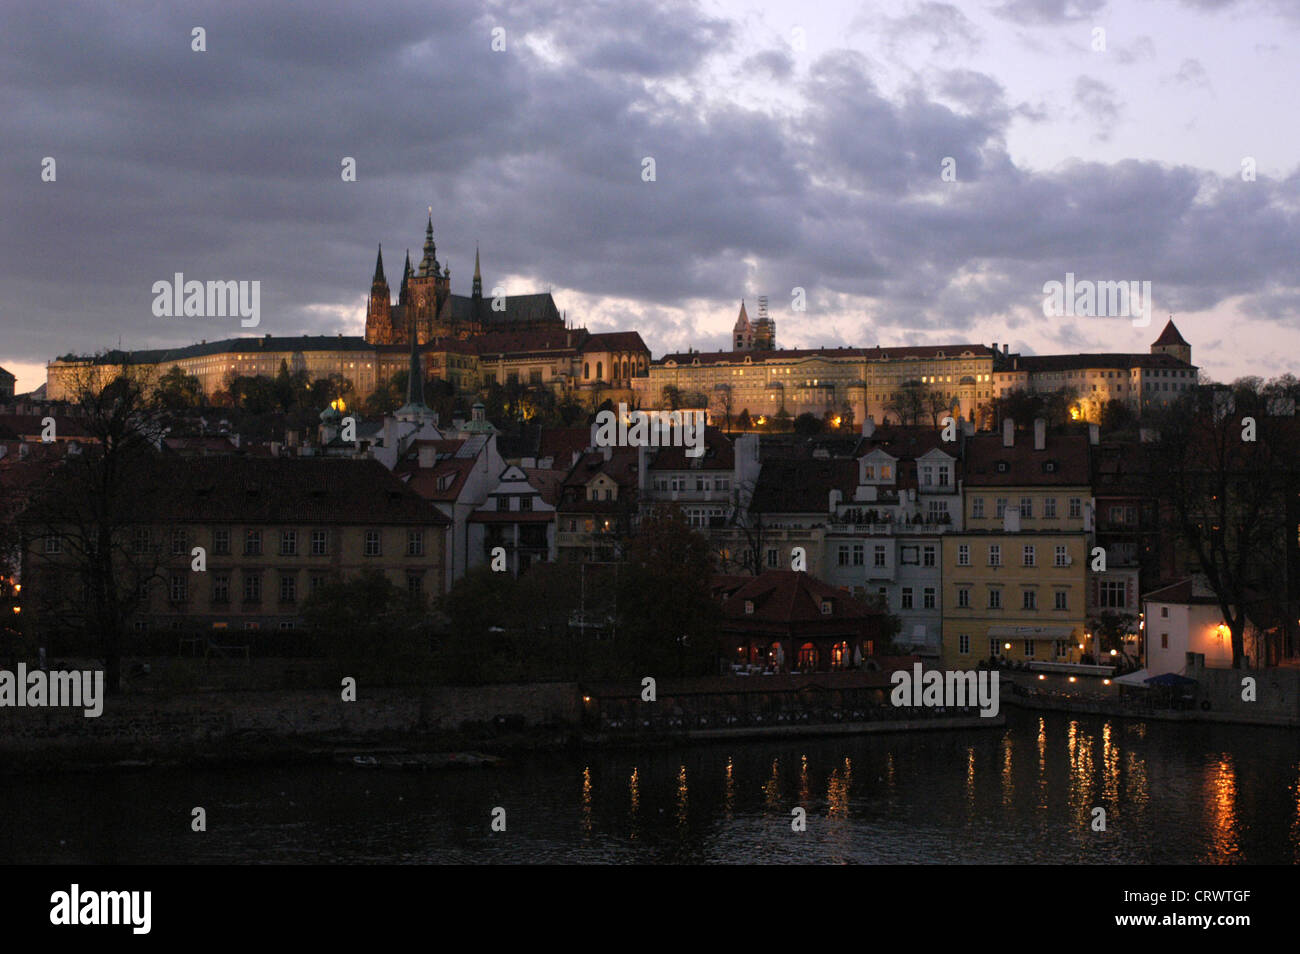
{"points": [[1172, 793]]}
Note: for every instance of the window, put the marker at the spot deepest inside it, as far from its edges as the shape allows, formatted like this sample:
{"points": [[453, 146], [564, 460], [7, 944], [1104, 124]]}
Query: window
{"points": [[221, 588], [1029, 649], [995, 554], [288, 543], [372, 543], [526, 503], [1062, 598], [251, 626], [53, 545], [844, 554], [252, 587], [1049, 508], [253, 543], [963, 554], [826, 607], [963, 644], [749, 607], [1061, 557], [316, 582], [963, 597], [288, 588], [1164, 640], [178, 591], [1026, 507], [938, 510], [995, 598], [1029, 600], [907, 598], [928, 555], [1076, 508], [1112, 594], [1164, 612], [977, 508], [678, 482], [910, 556], [859, 554], [178, 543], [995, 648], [878, 557], [1002, 507], [927, 598], [140, 541], [319, 543], [1028, 555], [286, 624], [415, 584], [772, 556], [415, 543]]}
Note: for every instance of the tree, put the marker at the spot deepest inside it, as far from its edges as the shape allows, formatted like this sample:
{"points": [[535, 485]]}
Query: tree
{"points": [[808, 424], [178, 391], [724, 404], [667, 615], [744, 422], [1231, 500], [908, 403], [1117, 415], [672, 397], [84, 516], [369, 623]]}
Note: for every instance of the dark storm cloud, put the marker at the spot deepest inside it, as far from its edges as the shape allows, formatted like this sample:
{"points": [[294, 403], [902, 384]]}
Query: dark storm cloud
{"points": [[225, 165]]}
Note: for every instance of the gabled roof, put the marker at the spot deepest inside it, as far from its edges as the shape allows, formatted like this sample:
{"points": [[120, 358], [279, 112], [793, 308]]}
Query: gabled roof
{"points": [[614, 341], [802, 485], [719, 454]]}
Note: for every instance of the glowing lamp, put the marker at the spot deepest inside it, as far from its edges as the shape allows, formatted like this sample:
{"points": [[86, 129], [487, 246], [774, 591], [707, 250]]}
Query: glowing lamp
{"points": [[1072, 679], [1006, 645], [1223, 630]]}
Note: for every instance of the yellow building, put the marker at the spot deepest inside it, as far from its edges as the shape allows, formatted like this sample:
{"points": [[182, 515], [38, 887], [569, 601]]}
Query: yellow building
{"points": [[1020, 596]]}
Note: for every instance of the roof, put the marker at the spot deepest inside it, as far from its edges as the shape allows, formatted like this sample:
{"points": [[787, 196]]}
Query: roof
{"points": [[783, 597], [1184, 591], [254, 490], [614, 341], [719, 454], [1169, 336], [1044, 363], [561, 443], [30, 425], [867, 354], [1062, 462], [803, 485]]}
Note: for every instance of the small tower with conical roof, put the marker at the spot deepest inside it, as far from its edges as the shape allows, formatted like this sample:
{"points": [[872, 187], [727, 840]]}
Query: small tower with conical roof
{"points": [[1171, 342]]}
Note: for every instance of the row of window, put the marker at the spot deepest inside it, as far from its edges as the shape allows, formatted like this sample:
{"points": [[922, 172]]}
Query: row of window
{"points": [[997, 647], [1028, 599], [679, 481], [1026, 508], [1028, 555], [178, 586], [253, 540]]}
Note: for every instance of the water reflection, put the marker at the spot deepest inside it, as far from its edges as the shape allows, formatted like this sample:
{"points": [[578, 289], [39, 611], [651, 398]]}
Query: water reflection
{"points": [[772, 790], [1221, 809], [586, 799]]}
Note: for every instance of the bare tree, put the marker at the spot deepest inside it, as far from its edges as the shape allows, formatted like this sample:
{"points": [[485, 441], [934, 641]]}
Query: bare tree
{"points": [[80, 532]]}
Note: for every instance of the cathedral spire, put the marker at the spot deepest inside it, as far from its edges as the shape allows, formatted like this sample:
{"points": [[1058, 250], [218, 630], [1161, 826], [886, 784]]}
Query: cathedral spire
{"points": [[379, 268], [478, 276], [406, 279], [429, 264]]}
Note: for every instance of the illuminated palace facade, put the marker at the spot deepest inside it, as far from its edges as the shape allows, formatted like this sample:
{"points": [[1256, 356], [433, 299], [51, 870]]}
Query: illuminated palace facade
{"points": [[469, 341]]}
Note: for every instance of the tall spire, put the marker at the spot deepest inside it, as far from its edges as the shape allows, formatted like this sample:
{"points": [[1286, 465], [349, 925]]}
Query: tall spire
{"points": [[379, 268], [429, 264], [406, 278], [478, 276]]}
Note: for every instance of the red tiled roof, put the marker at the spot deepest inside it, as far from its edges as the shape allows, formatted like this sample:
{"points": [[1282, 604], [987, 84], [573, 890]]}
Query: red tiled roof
{"points": [[870, 354], [615, 341], [989, 464], [1169, 336], [786, 597]]}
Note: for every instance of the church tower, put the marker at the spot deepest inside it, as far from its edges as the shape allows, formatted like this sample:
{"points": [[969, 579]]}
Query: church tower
{"points": [[764, 328], [379, 316], [429, 290], [742, 335]]}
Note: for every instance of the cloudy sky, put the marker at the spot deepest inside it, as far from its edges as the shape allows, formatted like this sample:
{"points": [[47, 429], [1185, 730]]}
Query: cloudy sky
{"points": [[795, 145]]}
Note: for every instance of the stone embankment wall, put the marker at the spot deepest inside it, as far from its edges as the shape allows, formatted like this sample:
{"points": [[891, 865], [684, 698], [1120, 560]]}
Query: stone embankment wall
{"points": [[188, 718]]}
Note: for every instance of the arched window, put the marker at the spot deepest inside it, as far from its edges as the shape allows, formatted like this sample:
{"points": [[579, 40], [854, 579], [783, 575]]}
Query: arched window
{"points": [[599, 370], [625, 367], [807, 658], [840, 657], [586, 369]]}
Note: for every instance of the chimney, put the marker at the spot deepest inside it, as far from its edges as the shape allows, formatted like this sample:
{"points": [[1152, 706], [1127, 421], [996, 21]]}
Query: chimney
{"points": [[869, 425], [1094, 434], [995, 347], [1040, 434], [642, 468], [607, 452], [1005, 348], [1008, 432], [428, 456]]}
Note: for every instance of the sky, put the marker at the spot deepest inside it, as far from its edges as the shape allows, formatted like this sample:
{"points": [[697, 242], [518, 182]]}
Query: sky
{"points": [[795, 146]]}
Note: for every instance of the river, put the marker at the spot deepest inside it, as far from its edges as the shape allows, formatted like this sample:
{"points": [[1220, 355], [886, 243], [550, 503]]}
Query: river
{"points": [[1172, 792]]}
